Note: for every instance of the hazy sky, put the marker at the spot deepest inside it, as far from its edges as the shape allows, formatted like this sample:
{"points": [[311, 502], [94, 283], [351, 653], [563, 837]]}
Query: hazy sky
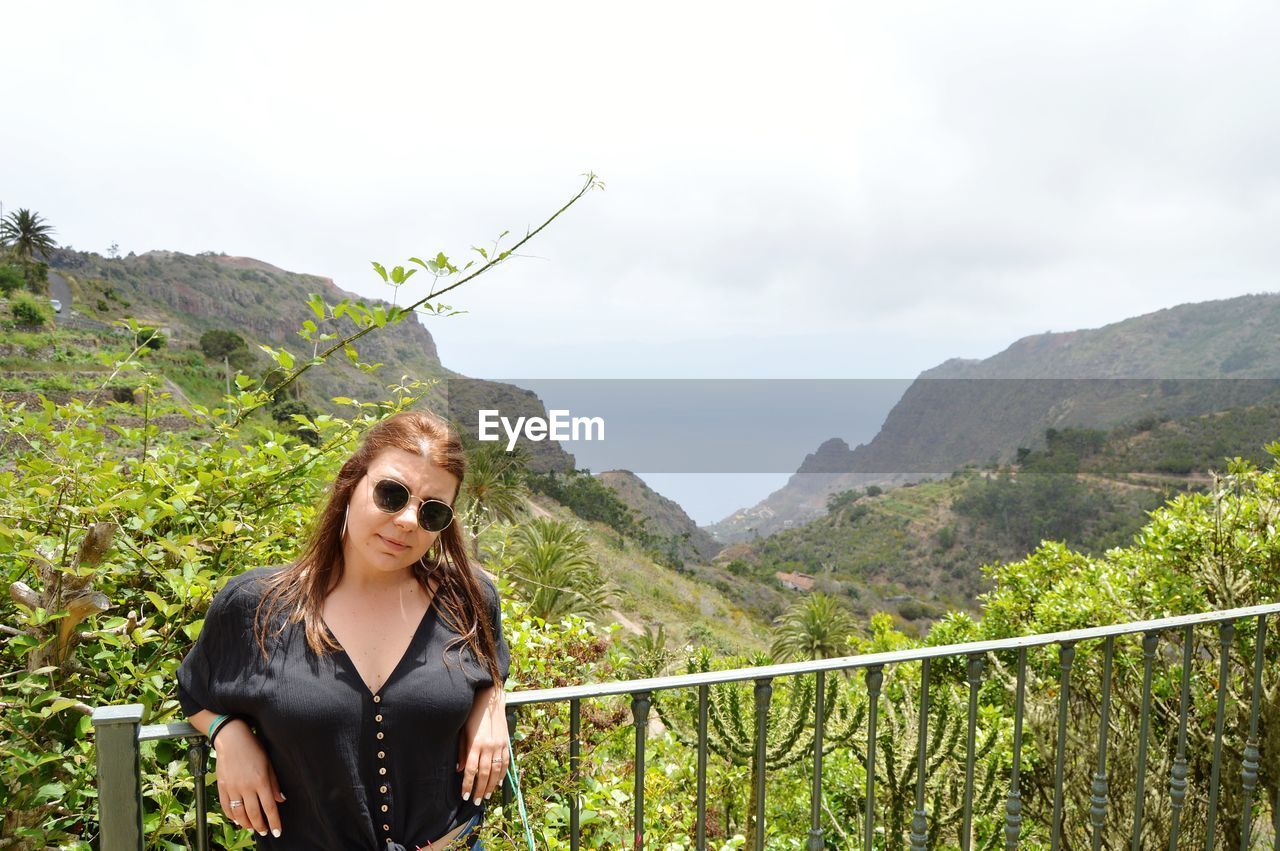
{"points": [[794, 190]]}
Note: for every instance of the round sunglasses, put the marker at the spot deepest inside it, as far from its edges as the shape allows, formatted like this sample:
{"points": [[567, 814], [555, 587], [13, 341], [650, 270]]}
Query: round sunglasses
{"points": [[391, 497]]}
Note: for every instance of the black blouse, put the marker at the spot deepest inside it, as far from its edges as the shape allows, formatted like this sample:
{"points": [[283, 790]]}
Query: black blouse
{"points": [[359, 769]]}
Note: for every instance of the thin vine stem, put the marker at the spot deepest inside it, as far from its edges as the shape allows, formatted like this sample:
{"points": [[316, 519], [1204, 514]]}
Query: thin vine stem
{"points": [[592, 182]]}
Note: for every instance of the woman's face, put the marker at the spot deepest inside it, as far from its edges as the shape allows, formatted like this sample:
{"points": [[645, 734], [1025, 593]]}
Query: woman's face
{"points": [[380, 542]]}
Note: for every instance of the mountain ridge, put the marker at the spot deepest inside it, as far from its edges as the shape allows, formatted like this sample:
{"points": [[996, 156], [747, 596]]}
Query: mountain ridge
{"points": [[967, 411], [190, 294]]}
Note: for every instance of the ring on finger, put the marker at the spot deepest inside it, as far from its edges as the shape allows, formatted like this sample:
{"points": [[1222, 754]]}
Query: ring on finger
{"points": [[236, 803]]}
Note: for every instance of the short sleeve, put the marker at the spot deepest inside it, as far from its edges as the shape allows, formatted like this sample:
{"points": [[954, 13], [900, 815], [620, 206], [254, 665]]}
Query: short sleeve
{"points": [[495, 621], [222, 652]]}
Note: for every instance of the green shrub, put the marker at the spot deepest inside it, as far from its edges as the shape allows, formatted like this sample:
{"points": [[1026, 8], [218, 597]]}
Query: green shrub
{"points": [[217, 344], [837, 501], [29, 311], [857, 513], [150, 337], [11, 279], [1179, 465]]}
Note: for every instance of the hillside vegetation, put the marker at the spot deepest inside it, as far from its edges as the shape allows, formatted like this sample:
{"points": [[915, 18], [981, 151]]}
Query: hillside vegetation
{"points": [[186, 295], [919, 550], [646, 593], [664, 519]]}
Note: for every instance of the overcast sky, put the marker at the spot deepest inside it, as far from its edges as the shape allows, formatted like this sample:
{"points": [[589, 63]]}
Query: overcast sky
{"points": [[794, 190]]}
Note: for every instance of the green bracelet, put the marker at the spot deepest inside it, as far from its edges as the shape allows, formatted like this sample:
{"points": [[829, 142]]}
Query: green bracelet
{"points": [[217, 725]]}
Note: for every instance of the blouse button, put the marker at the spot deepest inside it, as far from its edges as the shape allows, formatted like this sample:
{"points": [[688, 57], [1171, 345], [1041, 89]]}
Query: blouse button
{"points": [[377, 698], [382, 754], [386, 827], [378, 718], [384, 808], [383, 790], [382, 771], [379, 734]]}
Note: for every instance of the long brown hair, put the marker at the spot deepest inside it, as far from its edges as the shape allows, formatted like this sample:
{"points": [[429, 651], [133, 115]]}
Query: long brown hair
{"points": [[298, 590]]}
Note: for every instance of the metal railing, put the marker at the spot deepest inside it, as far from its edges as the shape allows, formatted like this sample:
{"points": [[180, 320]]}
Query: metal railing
{"points": [[119, 734]]}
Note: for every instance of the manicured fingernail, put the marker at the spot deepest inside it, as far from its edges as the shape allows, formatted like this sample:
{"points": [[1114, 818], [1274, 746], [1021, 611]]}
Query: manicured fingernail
{"points": [[466, 796], [487, 797], [276, 833], [262, 833]]}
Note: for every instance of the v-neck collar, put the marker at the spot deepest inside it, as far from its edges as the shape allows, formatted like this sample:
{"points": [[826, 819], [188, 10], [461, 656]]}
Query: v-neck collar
{"points": [[408, 651], [400, 663]]}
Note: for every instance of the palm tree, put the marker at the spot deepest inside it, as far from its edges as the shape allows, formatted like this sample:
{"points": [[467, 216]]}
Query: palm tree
{"points": [[817, 627], [494, 489], [27, 233], [550, 565]]}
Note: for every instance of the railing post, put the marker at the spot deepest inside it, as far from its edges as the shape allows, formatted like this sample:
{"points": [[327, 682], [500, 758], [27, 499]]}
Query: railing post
{"points": [[575, 769], [1098, 789], [1149, 643], [764, 693], [700, 838], [875, 679], [919, 822], [1249, 768], [508, 794], [640, 703], [198, 758], [974, 676], [1013, 807], [1178, 776], [119, 776], [1226, 634], [1066, 656], [815, 799]]}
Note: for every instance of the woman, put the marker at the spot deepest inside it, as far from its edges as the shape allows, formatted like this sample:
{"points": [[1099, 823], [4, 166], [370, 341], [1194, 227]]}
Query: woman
{"points": [[361, 684]]}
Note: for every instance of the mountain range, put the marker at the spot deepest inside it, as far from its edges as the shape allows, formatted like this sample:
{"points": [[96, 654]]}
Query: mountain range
{"points": [[1179, 362]]}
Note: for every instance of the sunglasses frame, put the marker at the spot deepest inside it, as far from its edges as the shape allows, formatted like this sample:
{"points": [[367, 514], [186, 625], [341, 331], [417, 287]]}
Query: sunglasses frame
{"points": [[408, 496]]}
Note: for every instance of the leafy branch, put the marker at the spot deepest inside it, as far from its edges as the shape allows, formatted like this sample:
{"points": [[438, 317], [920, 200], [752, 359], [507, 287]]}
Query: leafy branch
{"points": [[439, 266]]}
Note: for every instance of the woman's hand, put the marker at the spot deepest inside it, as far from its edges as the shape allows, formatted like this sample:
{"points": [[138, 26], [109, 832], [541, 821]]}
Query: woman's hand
{"points": [[247, 786], [483, 746]]}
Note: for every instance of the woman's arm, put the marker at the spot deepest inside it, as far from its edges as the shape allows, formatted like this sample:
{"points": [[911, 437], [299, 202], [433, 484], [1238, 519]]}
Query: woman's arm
{"points": [[483, 747], [244, 774]]}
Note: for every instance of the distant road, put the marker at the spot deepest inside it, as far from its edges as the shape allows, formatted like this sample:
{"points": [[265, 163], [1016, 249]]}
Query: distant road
{"points": [[61, 290]]}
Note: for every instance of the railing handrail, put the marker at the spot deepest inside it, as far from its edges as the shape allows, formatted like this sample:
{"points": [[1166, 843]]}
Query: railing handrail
{"points": [[871, 660], [611, 688]]}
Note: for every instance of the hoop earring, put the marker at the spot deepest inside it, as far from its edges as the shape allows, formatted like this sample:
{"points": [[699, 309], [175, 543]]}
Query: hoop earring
{"points": [[435, 561], [343, 535]]}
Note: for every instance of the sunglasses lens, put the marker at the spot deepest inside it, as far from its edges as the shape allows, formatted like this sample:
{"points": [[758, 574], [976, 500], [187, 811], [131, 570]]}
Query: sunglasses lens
{"points": [[390, 496], [435, 516]]}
